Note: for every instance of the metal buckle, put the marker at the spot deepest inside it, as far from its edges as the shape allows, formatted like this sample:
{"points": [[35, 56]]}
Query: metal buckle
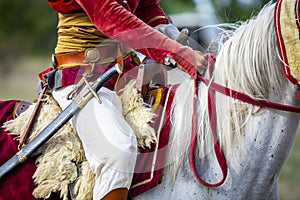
{"points": [[53, 61], [92, 55]]}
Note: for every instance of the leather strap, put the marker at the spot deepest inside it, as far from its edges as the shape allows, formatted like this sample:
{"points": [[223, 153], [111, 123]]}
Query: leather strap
{"points": [[212, 119], [99, 55], [217, 148], [150, 71], [68, 58], [246, 98], [26, 133]]}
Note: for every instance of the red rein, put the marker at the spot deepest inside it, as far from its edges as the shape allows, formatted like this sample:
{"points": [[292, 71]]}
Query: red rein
{"points": [[213, 115]]}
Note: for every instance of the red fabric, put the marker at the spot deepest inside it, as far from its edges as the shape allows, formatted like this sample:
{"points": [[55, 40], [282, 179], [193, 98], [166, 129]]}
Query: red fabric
{"points": [[148, 9], [73, 75], [112, 19], [143, 9], [280, 40], [212, 122], [65, 6], [144, 159], [246, 98], [127, 25], [45, 71], [115, 21], [19, 184]]}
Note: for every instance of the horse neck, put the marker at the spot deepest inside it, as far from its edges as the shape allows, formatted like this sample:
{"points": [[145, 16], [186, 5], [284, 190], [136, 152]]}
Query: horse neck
{"points": [[256, 140], [248, 63]]}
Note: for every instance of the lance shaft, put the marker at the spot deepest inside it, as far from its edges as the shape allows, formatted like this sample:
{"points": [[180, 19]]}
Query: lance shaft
{"points": [[80, 98]]}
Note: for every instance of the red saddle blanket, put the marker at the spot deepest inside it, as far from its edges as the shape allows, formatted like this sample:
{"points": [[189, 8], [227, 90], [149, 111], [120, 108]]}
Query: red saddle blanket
{"points": [[150, 161], [19, 184]]}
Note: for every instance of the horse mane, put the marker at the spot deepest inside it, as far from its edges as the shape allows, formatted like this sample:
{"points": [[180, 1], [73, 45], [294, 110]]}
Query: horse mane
{"points": [[247, 62]]}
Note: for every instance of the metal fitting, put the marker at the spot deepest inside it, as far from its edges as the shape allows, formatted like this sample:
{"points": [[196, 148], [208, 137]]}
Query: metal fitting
{"points": [[92, 55]]}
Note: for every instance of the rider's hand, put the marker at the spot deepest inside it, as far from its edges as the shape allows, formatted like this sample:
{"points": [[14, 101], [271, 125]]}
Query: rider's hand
{"points": [[196, 64], [200, 62]]}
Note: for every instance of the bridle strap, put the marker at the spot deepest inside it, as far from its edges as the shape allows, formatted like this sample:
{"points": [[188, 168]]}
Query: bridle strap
{"points": [[248, 99], [217, 148], [213, 86]]}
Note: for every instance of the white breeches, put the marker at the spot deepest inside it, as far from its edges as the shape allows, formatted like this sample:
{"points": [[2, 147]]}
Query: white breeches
{"points": [[109, 142]]}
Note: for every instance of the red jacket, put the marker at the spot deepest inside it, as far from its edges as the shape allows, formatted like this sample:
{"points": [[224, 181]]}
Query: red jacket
{"points": [[127, 24], [144, 10]]}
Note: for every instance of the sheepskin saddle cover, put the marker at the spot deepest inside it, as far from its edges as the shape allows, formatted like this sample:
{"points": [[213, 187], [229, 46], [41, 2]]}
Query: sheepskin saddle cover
{"points": [[61, 161]]}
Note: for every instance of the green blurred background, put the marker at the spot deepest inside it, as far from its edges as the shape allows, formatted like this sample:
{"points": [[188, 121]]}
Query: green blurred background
{"points": [[28, 36]]}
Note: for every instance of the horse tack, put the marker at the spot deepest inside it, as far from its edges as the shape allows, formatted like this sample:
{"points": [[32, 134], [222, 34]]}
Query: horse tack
{"points": [[232, 93], [287, 29], [261, 182], [212, 121], [248, 99], [26, 133], [288, 36], [20, 107], [150, 161], [212, 118]]}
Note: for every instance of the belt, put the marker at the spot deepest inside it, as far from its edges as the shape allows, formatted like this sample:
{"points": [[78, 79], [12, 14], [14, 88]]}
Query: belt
{"points": [[57, 78], [100, 55], [68, 69]]}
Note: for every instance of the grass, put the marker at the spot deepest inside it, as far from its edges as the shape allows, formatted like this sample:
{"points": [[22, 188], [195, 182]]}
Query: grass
{"points": [[22, 82], [289, 187], [22, 79]]}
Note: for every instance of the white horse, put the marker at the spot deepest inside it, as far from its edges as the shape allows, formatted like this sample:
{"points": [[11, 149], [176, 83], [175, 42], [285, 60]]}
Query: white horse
{"points": [[256, 140]]}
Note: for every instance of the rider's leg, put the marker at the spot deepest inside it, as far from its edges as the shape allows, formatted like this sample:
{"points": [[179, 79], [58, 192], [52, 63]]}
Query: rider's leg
{"points": [[109, 143], [117, 194]]}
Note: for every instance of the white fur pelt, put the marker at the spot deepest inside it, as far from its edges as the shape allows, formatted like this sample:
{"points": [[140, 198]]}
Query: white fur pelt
{"points": [[138, 115], [62, 157]]}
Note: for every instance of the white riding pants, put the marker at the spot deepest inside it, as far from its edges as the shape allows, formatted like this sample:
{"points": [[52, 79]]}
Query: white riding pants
{"points": [[109, 142]]}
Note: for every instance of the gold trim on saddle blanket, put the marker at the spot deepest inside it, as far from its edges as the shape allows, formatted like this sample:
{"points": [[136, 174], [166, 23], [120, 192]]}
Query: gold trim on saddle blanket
{"points": [[158, 95], [288, 34]]}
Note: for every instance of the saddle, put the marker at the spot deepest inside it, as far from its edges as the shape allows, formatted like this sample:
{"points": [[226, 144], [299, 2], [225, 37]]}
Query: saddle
{"points": [[151, 80]]}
